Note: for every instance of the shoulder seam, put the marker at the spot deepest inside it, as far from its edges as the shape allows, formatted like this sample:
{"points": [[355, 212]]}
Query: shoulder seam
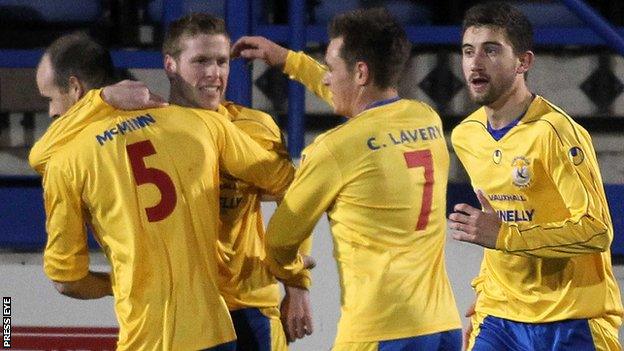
{"points": [[551, 126]]}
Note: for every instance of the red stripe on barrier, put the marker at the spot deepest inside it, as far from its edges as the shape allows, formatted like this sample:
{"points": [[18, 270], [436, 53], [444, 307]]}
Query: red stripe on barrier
{"points": [[63, 338]]}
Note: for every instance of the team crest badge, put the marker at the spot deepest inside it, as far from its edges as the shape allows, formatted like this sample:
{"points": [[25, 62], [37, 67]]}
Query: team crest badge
{"points": [[497, 156], [576, 155], [520, 171]]}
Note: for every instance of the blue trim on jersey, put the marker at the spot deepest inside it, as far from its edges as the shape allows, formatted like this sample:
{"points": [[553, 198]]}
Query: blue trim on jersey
{"points": [[498, 334], [450, 340], [498, 134], [230, 346], [253, 330], [382, 102]]}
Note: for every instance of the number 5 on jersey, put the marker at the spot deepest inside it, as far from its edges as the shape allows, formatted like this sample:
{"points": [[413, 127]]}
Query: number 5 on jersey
{"points": [[422, 158], [149, 175]]}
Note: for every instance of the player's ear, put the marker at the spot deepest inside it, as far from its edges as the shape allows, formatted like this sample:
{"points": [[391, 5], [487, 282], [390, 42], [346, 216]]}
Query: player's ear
{"points": [[170, 64], [76, 88], [526, 60], [362, 74]]}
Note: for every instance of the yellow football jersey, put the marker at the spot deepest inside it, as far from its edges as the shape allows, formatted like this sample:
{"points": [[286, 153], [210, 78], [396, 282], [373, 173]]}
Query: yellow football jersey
{"points": [[309, 72], [90, 108], [382, 178], [147, 183], [552, 260], [244, 280]]}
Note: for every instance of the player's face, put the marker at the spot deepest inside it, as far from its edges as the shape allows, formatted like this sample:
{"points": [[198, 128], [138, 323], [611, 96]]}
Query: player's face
{"points": [[199, 76], [58, 100], [489, 64], [340, 80]]}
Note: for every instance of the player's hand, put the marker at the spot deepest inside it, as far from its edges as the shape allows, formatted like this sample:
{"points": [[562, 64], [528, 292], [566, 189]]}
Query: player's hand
{"points": [[131, 95], [296, 313], [468, 330], [260, 48], [475, 226]]}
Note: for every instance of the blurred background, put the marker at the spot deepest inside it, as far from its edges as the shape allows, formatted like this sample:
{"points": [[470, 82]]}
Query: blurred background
{"points": [[579, 67]]}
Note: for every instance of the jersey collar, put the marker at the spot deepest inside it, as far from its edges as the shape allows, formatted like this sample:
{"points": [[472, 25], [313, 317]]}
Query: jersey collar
{"points": [[536, 109], [498, 134], [222, 110], [382, 102]]}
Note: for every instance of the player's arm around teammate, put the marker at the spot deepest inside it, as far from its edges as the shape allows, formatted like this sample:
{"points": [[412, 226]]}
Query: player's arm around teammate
{"points": [[296, 314]]}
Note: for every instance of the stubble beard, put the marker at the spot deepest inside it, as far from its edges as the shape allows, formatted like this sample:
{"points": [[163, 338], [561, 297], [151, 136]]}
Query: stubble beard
{"points": [[492, 94], [485, 98]]}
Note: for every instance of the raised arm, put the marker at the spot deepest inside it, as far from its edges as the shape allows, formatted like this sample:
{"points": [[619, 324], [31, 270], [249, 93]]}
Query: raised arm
{"points": [[253, 48], [297, 65]]}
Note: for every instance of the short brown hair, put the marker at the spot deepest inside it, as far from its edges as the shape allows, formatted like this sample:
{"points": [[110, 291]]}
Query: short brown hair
{"points": [[375, 37], [189, 26], [80, 56]]}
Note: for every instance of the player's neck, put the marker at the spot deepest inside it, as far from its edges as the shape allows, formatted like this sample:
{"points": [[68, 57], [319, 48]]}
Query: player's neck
{"points": [[509, 107], [177, 98], [370, 95]]}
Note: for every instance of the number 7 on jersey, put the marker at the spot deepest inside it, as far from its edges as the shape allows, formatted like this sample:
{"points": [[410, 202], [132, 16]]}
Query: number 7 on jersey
{"points": [[422, 158]]}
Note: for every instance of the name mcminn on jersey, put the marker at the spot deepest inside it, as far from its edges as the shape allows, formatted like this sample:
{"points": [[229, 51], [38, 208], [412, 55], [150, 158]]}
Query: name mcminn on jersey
{"points": [[129, 125]]}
